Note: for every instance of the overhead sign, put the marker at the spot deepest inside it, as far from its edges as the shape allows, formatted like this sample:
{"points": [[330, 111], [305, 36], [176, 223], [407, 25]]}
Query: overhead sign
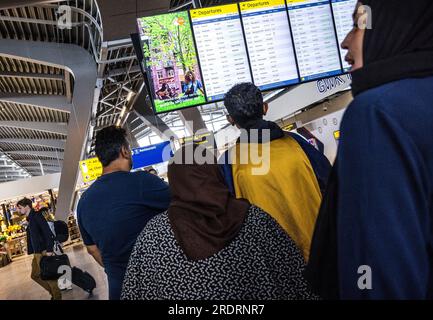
{"points": [[150, 155], [91, 169], [206, 140]]}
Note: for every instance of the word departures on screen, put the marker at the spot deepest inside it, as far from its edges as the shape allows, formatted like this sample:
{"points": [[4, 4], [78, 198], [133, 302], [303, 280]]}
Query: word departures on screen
{"points": [[194, 57]]}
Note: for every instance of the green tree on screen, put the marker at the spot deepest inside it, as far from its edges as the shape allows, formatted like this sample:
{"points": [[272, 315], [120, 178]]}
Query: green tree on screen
{"points": [[169, 40]]}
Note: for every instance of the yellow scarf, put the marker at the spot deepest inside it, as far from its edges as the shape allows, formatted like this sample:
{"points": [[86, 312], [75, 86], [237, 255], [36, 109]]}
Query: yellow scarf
{"points": [[288, 191]]}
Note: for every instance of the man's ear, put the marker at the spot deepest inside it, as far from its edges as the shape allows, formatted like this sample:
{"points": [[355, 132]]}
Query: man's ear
{"points": [[125, 152], [230, 120], [265, 108]]}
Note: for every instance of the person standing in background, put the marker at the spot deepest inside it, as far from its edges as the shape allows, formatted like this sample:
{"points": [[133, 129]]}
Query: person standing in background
{"points": [[40, 242]]}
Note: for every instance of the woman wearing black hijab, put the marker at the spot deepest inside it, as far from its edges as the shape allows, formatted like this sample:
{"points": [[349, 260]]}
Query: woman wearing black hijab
{"points": [[210, 245], [374, 234]]}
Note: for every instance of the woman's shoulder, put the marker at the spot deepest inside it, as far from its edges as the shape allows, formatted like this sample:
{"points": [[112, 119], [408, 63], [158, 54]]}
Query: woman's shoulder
{"points": [[258, 216], [157, 229], [264, 225]]}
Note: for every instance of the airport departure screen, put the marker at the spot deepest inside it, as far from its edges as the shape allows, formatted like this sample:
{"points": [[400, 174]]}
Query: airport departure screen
{"points": [[195, 57], [315, 39], [343, 11], [269, 43], [221, 49]]}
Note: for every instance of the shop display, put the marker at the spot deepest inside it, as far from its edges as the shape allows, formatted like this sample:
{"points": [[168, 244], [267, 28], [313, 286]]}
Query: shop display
{"points": [[74, 231]]}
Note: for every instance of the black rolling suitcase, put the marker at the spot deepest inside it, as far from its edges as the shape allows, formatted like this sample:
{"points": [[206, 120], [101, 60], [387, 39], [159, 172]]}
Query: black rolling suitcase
{"points": [[83, 280]]}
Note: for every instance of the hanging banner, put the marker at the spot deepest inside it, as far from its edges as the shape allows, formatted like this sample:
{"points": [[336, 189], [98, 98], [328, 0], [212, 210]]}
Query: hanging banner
{"points": [[150, 155]]}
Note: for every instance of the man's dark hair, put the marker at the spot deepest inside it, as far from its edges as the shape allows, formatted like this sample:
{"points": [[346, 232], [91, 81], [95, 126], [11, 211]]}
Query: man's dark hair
{"points": [[109, 142], [244, 103], [25, 202]]}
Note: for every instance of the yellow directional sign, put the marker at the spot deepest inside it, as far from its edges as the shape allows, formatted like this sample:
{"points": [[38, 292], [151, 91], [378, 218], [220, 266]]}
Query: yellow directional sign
{"points": [[91, 169], [337, 135]]}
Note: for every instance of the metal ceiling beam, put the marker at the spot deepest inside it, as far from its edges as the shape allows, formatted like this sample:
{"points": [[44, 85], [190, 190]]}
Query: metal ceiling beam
{"points": [[122, 71], [13, 169], [12, 174], [27, 75], [47, 154], [6, 175], [51, 127], [12, 178], [54, 163], [68, 85], [51, 143], [58, 103], [9, 4], [38, 168]]}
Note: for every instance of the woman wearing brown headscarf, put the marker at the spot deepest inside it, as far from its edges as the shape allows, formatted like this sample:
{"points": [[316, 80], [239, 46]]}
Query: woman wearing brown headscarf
{"points": [[210, 245]]}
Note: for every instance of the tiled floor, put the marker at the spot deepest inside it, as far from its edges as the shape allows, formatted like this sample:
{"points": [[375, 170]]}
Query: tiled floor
{"points": [[16, 284]]}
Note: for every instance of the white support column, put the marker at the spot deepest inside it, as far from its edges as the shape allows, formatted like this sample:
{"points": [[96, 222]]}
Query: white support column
{"points": [[82, 66]]}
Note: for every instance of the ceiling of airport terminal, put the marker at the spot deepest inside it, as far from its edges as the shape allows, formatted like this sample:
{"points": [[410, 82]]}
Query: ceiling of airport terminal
{"points": [[119, 16], [7, 4], [19, 122], [35, 99]]}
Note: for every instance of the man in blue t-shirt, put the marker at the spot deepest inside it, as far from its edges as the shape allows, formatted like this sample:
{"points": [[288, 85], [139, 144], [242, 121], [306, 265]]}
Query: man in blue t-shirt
{"points": [[117, 206]]}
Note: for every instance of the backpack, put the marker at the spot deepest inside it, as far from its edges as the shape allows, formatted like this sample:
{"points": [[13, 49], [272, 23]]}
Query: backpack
{"points": [[61, 231]]}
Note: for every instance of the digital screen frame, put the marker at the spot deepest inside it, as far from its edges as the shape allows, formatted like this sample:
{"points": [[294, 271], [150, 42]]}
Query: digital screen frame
{"points": [[183, 49]]}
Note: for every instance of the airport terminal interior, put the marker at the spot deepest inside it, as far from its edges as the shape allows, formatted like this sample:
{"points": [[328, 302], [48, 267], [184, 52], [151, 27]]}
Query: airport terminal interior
{"points": [[161, 71], [52, 109]]}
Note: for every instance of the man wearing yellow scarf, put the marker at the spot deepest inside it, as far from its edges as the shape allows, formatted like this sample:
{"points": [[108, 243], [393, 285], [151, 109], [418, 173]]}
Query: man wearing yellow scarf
{"points": [[277, 171]]}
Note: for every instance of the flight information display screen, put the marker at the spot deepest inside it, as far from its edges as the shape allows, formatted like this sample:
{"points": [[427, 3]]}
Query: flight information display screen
{"points": [[343, 11], [194, 57], [221, 48], [315, 39], [269, 42]]}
